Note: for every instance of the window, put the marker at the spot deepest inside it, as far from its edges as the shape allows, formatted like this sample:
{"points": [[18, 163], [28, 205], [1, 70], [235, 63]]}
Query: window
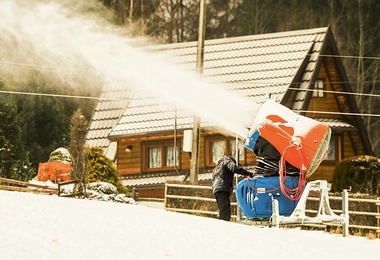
{"points": [[318, 89], [216, 147], [160, 156], [171, 156], [154, 157], [333, 152]]}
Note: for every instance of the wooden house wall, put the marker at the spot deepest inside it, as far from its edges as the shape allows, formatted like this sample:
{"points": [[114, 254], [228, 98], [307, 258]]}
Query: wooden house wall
{"points": [[131, 162], [348, 141], [152, 193]]}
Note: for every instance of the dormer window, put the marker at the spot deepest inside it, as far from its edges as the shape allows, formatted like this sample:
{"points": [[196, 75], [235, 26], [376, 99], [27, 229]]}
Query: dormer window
{"points": [[319, 89]]}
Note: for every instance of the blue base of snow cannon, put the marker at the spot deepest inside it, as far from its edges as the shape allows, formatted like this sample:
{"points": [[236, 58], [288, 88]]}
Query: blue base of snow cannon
{"points": [[254, 198]]}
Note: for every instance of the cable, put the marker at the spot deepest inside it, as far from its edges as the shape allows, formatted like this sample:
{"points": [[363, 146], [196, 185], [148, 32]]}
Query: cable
{"points": [[62, 95], [67, 68], [126, 99], [268, 85], [337, 113], [43, 67], [348, 56], [337, 92]]}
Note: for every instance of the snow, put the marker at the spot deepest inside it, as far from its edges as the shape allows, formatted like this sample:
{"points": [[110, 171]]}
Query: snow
{"points": [[35, 226]]}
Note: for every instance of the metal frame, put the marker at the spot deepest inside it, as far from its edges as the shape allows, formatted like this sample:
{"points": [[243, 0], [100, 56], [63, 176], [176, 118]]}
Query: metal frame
{"points": [[324, 214]]}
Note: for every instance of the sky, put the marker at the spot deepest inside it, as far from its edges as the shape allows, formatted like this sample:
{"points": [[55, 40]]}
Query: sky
{"points": [[35, 226]]}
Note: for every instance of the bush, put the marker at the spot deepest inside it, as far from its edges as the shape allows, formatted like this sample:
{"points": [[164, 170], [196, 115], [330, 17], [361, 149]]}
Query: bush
{"points": [[361, 173], [60, 155], [101, 169]]}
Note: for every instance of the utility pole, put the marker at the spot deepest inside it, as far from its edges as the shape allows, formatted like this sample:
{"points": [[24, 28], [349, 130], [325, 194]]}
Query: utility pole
{"points": [[194, 167], [239, 215], [130, 17]]}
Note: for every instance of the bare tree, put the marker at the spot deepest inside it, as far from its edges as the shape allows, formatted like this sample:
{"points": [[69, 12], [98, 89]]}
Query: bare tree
{"points": [[77, 150]]}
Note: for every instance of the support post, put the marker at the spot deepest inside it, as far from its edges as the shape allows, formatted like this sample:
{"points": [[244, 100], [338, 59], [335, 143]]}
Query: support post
{"points": [[275, 213], [165, 198], [59, 188], [194, 164], [239, 215], [345, 212]]}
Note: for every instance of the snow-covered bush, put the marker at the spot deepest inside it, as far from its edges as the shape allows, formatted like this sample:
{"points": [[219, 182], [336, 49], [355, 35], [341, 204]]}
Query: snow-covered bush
{"points": [[95, 191], [106, 192], [103, 187], [60, 155], [361, 173]]}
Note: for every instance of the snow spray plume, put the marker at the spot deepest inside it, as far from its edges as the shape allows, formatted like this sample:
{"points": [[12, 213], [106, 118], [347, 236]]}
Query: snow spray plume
{"points": [[53, 38]]}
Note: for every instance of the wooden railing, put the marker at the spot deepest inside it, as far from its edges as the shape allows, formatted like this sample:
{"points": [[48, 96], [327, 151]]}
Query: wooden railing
{"points": [[198, 200], [61, 184], [14, 185]]}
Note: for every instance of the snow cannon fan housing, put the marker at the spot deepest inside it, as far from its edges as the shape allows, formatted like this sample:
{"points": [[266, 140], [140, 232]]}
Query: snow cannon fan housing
{"points": [[301, 141]]}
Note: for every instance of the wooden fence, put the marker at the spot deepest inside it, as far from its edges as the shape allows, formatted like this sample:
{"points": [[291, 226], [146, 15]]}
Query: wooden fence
{"points": [[198, 200], [14, 185], [22, 186]]}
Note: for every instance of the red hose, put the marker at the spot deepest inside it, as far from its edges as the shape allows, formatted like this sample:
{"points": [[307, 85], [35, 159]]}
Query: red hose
{"points": [[292, 193]]}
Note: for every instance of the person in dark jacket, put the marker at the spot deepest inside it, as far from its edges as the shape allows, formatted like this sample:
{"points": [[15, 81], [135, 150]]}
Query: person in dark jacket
{"points": [[222, 183]]}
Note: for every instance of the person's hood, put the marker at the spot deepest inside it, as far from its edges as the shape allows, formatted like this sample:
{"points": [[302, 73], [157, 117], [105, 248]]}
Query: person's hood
{"points": [[221, 159]]}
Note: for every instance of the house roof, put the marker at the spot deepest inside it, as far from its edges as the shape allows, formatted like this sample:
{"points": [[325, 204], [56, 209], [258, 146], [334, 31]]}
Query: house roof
{"points": [[107, 113], [148, 181], [155, 180], [255, 67]]}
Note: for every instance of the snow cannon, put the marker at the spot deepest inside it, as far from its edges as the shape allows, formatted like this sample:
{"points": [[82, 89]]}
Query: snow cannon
{"points": [[301, 141], [297, 146]]}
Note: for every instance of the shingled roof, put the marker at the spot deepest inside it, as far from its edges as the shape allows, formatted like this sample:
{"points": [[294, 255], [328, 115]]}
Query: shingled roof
{"points": [[254, 66]]}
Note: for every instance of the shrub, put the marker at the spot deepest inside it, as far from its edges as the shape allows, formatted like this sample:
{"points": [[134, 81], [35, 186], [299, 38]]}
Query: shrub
{"points": [[361, 173], [102, 169], [60, 155]]}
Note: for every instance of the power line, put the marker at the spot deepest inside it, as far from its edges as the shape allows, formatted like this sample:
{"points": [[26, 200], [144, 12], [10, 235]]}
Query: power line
{"points": [[266, 85], [336, 113], [349, 56], [124, 99], [337, 92], [51, 67], [62, 96], [40, 66], [273, 83]]}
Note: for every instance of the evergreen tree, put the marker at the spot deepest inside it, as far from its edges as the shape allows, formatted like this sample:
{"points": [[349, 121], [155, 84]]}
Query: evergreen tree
{"points": [[45, 126], [102, 169], [14, 162]]}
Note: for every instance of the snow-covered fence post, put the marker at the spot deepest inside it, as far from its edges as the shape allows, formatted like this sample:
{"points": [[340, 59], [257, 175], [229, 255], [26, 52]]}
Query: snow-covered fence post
{"points": [[345, 212]]}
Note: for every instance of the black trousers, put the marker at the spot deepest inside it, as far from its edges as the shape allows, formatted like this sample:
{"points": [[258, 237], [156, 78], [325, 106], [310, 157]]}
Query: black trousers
{"points": [[224, 205]]}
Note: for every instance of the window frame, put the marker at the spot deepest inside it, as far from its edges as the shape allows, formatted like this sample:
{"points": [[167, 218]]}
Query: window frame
{"points": [[208, 149], [162, 145], [336, 143], [319, 89]]}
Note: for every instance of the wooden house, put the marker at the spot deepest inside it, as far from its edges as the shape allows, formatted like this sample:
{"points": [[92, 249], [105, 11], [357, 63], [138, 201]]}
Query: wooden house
{"points": [[300, 69]]}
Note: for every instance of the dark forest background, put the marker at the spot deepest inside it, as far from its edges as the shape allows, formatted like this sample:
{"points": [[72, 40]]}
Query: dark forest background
{"points": [[31, 127]]}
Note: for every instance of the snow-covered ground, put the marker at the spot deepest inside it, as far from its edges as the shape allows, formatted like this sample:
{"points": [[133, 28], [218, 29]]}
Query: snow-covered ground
{"points": [[36, 226]]}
